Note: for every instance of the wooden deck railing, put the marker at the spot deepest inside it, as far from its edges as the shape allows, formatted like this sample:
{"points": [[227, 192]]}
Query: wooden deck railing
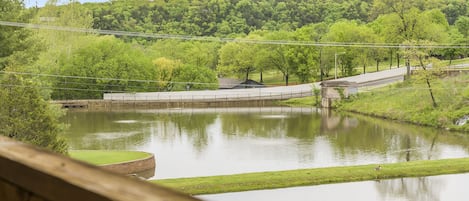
{"points": [[28, 173]]}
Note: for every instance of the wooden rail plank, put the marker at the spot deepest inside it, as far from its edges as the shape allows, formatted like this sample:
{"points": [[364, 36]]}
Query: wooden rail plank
{"points": [[47, 176]]}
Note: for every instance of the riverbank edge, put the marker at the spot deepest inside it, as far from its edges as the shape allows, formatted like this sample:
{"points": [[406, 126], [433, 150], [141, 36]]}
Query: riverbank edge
{"points": [[314, 176]]}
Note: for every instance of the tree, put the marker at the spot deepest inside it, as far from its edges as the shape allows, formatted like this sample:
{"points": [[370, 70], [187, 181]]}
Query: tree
{"points": [[463, 25], [165, 72], [278, 54], [430, 67], [61, 43], [26, 116], [12, 39], [349, 32], [106, 64], [195, 77], [305, 58], [237, 59]]}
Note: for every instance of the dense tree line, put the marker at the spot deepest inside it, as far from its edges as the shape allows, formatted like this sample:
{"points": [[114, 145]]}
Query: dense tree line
{"points": [[228, 17], [87, 65]]}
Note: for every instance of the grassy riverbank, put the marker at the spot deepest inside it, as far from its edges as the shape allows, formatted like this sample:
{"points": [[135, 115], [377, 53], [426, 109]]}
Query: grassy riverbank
{"points": [[411, 102], [100, 157], [304, 177]]}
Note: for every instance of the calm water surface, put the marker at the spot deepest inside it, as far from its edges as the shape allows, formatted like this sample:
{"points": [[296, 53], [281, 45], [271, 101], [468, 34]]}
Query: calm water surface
{"points": [[203, 142]]}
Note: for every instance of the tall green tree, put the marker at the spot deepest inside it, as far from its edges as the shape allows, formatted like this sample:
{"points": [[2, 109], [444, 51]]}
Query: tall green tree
{"points": [[192, 77], [105, 64], [237, 59], [26, 116], [463, 25], [278, 57], [165, 72], [429, 67], [13, 40], [351, 32]]}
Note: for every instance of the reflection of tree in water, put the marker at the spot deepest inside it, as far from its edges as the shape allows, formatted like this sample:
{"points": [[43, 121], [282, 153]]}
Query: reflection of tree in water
{"points": [[415, 189], [124, 130], [194, 125], [251, 124], [105, 130], [353, 134], [350, 136], [295, 125]]}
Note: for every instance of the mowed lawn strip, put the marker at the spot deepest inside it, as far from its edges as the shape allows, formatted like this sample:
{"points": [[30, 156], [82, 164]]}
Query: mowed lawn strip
{"points": [[316, 176], [100, 157]]}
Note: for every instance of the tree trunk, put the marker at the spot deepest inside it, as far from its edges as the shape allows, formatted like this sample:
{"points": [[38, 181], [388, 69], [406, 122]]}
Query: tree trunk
{"points": [[364, 69], [431, 92], [377, 65], [262, 78], [320, 64], [286, 79], [390, 61], [451, 57], [427, 79], [407, 63], [398, 60]]}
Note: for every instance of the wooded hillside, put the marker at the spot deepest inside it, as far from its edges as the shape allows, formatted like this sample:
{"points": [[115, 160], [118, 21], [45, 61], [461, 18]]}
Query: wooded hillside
{"points": [[72, 65]]}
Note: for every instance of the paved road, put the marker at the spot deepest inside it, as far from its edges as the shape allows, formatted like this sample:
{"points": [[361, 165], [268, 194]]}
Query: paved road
{"points": [[268, 93]]}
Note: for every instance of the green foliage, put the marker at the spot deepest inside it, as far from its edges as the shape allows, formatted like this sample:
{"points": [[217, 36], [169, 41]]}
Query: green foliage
{"points": [[26, 116], [14, 41], [80, 55], [463, 25], [238, 59], [195, 78], [105, 64]]}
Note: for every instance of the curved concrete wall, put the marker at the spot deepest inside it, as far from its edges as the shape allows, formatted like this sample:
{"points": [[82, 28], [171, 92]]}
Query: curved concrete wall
{"points": [[142, 167]]}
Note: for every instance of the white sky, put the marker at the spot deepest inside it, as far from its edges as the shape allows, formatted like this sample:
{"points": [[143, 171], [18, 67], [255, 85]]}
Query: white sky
{"points": [[41, 3]]}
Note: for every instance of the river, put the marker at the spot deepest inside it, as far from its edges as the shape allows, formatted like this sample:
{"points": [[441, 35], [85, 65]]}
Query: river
{"points": [[218, 141]]}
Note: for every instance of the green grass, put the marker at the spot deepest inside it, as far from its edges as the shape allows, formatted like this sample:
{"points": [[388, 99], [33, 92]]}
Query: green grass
{"points": [[274, 78], [304, 177], [411, 102], [306, 101], [458, 61], [99, 157]]}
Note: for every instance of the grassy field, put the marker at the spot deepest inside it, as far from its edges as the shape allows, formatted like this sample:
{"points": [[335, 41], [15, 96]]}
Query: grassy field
{"points": [[458, 61], [100, 157], [411, 102], [304, 177]]}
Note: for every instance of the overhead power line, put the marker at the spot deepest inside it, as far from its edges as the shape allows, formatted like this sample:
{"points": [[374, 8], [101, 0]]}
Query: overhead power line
{"points": [[237, 40], [96, 78]]}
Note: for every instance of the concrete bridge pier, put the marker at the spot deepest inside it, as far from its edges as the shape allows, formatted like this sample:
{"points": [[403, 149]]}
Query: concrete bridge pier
{"points": [[332, 91]]}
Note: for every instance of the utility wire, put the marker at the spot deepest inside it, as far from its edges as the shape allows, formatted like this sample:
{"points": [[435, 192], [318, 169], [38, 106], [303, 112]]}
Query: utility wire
{"points": [[100, 78], [214, 39]]}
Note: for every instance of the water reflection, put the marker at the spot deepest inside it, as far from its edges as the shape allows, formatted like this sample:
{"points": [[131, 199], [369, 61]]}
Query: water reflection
{"points": [[437, 188], [237, 140]]}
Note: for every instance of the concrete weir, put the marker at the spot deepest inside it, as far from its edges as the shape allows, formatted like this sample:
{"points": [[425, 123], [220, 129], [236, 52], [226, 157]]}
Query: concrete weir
{"points": [[108, 105]]}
